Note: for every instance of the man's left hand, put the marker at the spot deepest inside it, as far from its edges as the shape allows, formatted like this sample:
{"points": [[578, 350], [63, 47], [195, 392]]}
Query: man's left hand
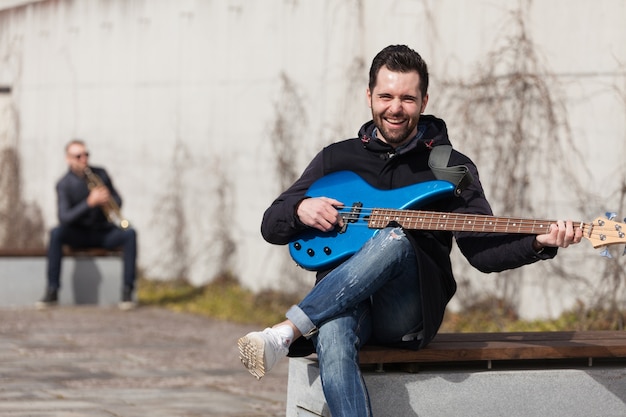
{"points": [[561, 234]]}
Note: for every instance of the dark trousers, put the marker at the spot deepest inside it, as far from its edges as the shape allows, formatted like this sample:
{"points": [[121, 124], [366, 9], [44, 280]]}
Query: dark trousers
{"points": [[109, 238]]}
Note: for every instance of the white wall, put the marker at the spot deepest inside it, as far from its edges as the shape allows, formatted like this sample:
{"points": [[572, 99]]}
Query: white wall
{"points": [[179, 99]]}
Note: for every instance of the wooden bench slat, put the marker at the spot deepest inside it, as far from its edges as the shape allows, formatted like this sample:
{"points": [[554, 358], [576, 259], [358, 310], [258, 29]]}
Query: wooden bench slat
{"points": [[455, 347], [529, 336], [67, 251], [7, 253]]}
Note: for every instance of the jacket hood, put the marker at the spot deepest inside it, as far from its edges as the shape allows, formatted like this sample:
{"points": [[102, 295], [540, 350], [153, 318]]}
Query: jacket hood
{"points": [[435, 134]]}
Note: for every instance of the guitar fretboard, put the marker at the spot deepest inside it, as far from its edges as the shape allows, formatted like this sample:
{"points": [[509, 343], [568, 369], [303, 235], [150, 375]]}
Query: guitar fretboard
{"points": [[432, 220]]}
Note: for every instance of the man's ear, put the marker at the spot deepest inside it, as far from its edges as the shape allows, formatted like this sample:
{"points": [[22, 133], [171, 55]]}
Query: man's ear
{"points": [[368, 96], [424, 103]]}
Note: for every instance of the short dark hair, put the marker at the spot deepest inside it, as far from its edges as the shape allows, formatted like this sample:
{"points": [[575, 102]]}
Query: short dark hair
{"points": [[399, 58]]}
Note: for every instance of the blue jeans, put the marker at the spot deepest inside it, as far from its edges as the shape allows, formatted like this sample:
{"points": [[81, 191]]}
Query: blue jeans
{"points": [[374, 295], [109, 238]]}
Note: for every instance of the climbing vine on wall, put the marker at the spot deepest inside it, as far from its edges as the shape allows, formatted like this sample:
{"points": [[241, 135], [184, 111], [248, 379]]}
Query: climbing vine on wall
{"points": [[515, 127], [21, 223]]}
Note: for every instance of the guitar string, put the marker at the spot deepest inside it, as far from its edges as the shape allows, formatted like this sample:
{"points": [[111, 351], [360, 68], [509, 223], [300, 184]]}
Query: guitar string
{"points": [[443, 216], [589, 231], [502, 224]]}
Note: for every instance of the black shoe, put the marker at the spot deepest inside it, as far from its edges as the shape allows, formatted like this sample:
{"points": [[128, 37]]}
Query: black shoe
{"points": [[127, 302], [50, 299]]}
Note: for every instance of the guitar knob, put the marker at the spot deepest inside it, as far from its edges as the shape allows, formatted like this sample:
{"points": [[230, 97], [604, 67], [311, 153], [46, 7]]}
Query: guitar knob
{"points": [[327, 250], [310, 252]]}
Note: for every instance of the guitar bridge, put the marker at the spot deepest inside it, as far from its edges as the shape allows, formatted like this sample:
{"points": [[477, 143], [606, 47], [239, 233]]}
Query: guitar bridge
{"points": [[352, 216]]}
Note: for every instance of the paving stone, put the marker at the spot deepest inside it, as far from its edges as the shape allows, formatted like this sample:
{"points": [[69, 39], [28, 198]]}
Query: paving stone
{"points": [[92, 361]]}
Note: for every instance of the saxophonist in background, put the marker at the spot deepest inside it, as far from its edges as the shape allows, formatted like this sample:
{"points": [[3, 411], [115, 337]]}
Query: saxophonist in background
{"points": [[90, 217]]}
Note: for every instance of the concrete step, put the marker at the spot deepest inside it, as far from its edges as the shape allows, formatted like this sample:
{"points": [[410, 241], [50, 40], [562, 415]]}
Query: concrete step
{"points": [[515, 391], [84, 280]]}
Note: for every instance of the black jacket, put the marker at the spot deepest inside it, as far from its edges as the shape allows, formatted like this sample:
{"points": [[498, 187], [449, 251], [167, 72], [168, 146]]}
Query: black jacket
{"points": [[378, 164], [73, 211]]}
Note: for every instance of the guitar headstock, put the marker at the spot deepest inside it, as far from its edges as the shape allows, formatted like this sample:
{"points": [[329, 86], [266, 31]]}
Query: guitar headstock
{"points": [[605, 232]]}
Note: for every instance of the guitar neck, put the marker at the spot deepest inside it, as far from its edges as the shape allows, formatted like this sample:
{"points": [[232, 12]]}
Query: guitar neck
{"points": [[432, 220]]}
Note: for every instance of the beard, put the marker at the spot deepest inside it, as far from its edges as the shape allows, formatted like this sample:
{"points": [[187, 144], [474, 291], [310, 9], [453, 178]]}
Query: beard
{"points": [[396, 136]]}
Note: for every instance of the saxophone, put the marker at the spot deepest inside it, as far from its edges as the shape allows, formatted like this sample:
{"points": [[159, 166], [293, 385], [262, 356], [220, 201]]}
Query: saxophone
{"points": [[111, 209]]}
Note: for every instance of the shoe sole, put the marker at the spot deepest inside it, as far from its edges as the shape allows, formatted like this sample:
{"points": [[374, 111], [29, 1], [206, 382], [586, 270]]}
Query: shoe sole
{"points": [[43, 305], [127, 305], [252, 355]]}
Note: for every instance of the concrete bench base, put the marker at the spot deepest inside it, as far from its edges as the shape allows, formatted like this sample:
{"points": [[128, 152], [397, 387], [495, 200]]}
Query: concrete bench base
{"points": [[563, 390], [84, 280]]}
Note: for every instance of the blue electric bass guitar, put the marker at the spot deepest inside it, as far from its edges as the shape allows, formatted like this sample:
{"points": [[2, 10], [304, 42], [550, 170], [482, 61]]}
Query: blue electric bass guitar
{"points": [[368, 209]]}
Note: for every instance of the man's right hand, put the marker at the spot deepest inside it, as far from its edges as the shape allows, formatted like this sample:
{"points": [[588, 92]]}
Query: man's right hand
{"points": [[320, 213], [98, 196]]}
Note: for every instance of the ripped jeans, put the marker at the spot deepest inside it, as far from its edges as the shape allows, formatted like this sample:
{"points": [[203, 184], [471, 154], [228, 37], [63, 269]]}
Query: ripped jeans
{"points": [[374, 295]]}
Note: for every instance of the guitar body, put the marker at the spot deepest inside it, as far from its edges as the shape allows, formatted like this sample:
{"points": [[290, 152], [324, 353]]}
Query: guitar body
{"points": [[315, 250]]}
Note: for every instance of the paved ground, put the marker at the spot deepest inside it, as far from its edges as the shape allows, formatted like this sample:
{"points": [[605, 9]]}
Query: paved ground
{"points": [[103, 362]]}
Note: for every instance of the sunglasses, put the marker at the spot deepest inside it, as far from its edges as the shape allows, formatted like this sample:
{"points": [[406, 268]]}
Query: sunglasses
{"points": [[81, 155]]}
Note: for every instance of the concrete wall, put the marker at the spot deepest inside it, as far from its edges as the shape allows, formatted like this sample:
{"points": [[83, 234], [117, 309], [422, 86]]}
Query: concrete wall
{"points": [[194, 107]]}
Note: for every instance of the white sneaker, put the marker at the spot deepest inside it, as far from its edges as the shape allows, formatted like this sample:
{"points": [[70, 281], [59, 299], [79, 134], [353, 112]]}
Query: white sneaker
{"points": [[259, 351]]}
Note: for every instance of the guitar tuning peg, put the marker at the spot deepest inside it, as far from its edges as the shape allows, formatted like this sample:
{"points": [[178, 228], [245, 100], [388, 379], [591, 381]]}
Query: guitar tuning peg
{"points": [[610, 215], [605, 253]]}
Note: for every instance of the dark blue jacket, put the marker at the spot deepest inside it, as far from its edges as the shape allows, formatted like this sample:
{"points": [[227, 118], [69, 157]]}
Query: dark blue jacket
{"points": [[72, 192], [378, 164]]}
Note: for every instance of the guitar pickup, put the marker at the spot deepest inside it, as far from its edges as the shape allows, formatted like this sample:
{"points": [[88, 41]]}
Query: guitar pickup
{"points": [[351, 216]]}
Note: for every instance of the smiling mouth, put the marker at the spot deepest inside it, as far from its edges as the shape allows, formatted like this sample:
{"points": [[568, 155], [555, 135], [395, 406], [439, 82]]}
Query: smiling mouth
{"points": [[394, 122]]}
